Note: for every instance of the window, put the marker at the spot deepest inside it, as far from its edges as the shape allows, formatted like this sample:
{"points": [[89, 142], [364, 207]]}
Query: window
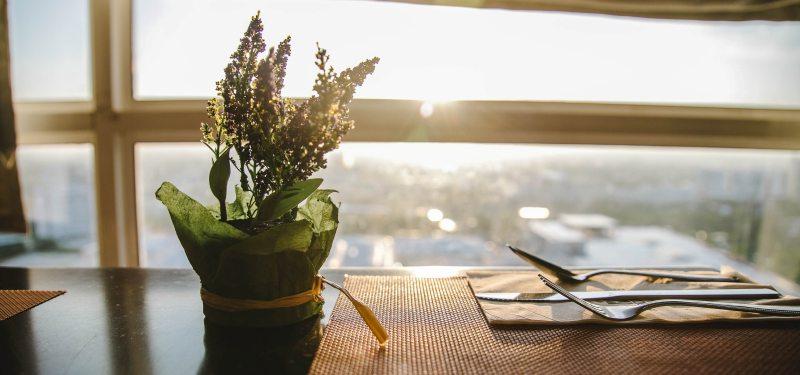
{"points": [[58, 196], [181, 47], [156, 163], [50, 50], [418, 204], [526, 76]]}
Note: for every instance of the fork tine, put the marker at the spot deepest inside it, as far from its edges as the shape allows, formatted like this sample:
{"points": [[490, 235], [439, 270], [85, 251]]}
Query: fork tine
{"points": [[582, 302]]}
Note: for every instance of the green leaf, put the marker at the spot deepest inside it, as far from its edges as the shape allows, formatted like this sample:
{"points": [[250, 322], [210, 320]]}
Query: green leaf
{"points": [[238, 209], [281, 202], [320, 248], [218, 179], [290, 236], [243, 197], [200, 233], [268, 265], [320, 211], [324, 217]]}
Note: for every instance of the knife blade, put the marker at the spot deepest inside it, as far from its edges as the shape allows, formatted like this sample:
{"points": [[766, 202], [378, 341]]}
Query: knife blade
{"points": [[630, 295]]}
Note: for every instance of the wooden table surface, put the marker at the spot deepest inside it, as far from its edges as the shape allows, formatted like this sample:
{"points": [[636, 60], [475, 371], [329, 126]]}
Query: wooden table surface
{"points": [[119, 320], [140, 321]]}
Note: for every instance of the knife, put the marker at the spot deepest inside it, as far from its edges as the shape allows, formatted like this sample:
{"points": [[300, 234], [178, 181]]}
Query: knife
{"points": [[628, 295]]}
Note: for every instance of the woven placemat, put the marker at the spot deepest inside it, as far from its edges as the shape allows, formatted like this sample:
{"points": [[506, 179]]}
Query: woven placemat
{"points": [[436, 326], [13, 302]]}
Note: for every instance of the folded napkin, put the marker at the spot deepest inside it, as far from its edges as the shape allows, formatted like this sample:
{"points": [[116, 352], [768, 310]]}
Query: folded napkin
{"points": [[566, 313]]}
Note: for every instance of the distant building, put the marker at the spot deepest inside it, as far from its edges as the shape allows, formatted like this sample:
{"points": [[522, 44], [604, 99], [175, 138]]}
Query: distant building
{"points": [[554, 236], [590, 224], [567, 236]]}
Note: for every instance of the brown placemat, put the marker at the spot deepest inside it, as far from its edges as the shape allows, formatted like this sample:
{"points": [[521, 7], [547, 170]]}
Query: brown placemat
{"points": [[436, 326], [13, 302]]}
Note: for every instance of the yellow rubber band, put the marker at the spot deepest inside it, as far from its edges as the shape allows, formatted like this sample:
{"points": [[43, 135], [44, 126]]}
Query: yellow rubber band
{"points": [[235, 304]]}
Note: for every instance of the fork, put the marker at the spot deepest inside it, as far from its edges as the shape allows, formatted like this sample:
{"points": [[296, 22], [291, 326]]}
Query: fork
{"points": [[631, 310], [568, 276]]}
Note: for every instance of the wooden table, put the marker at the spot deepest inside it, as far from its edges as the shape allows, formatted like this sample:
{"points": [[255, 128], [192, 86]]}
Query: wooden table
{"points": [[115, 320], [144, 321]]}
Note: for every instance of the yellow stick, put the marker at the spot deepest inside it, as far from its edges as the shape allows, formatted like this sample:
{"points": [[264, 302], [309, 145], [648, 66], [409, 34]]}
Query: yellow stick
{"points": [[366, 313]]}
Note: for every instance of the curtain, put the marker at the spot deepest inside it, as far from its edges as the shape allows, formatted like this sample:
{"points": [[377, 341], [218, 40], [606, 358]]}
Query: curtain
{"points": [[714, 10], [11, 216]]}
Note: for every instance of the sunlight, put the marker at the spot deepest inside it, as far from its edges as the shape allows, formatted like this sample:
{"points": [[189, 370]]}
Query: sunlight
{"points": [[426, 109], [432, 272], [534, 212], [448, 225], [181, 47], [435, 215], [446, 157]]}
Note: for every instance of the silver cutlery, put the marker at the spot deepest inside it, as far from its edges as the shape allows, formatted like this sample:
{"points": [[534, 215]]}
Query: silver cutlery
{"points": [[631, 310], [568, 276], [633, 295]]}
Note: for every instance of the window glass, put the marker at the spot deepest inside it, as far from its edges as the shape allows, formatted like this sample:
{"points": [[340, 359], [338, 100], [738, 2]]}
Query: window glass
{"points": [[448, 53], [57, 184], [50, 50], [184, 164], [423, 204]]}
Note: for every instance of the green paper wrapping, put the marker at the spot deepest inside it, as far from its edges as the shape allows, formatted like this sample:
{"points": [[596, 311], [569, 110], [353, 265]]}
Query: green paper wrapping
{"points": [[275, 263]]}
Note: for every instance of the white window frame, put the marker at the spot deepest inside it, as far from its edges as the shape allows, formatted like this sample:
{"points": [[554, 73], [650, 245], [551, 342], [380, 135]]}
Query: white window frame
{"points": [[113, 121]]}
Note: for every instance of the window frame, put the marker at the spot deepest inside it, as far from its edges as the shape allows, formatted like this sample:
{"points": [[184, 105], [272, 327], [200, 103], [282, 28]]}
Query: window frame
{"points": [[113, 122]]}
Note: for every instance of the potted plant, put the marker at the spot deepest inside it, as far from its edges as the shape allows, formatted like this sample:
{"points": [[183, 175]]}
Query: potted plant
{"points": [[258, 253]]}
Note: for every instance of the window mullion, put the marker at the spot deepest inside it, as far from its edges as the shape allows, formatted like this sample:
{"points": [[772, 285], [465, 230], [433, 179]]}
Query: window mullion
{"points": [[116, 210]]}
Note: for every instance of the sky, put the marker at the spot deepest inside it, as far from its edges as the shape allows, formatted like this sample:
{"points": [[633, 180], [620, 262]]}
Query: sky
{"points": [[427, 52], [50, 49]]}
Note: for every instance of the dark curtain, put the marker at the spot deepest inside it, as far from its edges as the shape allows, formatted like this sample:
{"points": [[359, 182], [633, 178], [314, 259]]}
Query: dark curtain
{"points": [[11, 216], [714, 10]]}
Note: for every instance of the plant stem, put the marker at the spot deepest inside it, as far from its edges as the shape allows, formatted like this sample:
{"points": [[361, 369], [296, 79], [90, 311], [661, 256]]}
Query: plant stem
{"points": [[223, 210], [223, 207]]}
